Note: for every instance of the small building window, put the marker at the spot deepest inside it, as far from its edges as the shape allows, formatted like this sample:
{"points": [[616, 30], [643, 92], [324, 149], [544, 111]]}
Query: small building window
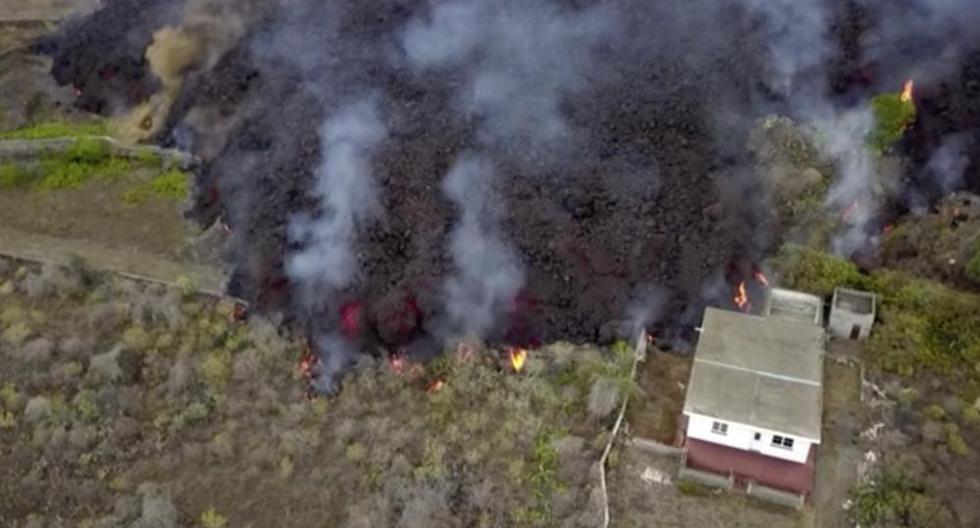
{"points": [[719, 428], [781, 441]]}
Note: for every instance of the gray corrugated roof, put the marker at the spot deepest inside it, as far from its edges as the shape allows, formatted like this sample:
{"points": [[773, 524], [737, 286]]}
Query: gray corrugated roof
{"points": [[758, 371]]}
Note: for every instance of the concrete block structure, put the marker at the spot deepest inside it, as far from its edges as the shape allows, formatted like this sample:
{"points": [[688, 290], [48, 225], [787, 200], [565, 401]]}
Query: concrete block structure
{"points": [[852, 314], [754, 401], [795, 306]]}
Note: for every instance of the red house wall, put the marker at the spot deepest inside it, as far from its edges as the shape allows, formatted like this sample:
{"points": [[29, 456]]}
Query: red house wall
{"points": [[752, 467]]}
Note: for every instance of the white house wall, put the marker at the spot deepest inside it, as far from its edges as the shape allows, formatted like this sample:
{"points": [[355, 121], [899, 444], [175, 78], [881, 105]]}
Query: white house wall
{"points": [[743, 437]]}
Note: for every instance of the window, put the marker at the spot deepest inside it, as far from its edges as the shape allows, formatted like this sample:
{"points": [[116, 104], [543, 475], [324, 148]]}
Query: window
{"points": [[758, 436], [784, 442], [719, 428]]}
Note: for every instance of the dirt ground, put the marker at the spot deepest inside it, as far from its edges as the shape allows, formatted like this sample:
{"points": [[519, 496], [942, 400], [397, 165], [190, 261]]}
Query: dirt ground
{"points": [[844, 418], [636, 502], [655, 412]]}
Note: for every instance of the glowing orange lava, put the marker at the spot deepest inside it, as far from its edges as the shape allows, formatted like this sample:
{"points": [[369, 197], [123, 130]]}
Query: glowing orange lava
{"points": [[518, 356], [741, 298], [907, 91]]}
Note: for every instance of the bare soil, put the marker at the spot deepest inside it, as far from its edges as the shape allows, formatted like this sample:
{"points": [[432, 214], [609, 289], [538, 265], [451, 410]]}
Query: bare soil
{"points": [[655, 412], [838, 457]]}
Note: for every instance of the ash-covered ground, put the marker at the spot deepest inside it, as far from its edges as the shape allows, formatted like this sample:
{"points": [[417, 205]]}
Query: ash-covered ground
{"points": [[400, 172]]}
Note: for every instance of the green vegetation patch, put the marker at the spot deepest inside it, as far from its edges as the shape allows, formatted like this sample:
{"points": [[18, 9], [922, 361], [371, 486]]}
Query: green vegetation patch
{"points": [[897, 500], [57, 130], [171, 185], [12, 175], [924, 325], [85, 159], [892, 116], [972, 269]]}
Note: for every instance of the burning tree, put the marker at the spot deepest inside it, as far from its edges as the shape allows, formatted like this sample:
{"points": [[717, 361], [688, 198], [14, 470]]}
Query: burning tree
{"points": [[893, 113]]}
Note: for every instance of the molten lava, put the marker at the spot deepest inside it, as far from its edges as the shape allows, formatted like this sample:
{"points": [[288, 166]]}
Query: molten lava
{"points": [[907, 91], [741, 298], [518, 356], [350, 319]]}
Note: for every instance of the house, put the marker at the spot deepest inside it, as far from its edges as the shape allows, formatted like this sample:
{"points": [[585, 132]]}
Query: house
{"points": [[852, 313], [754, 400]]}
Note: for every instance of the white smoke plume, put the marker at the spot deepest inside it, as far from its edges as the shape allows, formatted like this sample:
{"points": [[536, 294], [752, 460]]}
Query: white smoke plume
{"points": [[796, 39], [520, 58], [947, 166], [348, 198], [856, 194], [488, 275]]}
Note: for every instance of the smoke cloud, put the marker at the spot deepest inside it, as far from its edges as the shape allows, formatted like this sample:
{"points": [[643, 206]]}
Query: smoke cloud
{"points": [[348, 197], [520, 60], [208, 29], [488, 274]]}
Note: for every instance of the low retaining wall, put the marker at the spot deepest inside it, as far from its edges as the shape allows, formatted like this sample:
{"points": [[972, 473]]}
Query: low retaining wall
{"points": [[775, 496], [656, 447], [707, 478], [21, 149]]}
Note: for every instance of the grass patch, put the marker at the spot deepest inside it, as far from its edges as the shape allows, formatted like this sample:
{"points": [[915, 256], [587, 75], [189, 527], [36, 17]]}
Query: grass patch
{"points": [[171, 185], [57, 130], [85, 159], [12, 175]]}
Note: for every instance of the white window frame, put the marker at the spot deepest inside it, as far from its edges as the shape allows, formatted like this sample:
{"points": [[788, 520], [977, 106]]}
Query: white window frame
{"points": [[719, 428]]}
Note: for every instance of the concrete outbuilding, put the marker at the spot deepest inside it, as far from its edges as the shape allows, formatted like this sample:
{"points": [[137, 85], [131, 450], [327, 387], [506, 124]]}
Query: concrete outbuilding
{"points": [[852, 314]]}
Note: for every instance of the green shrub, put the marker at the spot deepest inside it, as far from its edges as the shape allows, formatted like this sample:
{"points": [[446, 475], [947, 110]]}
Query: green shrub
{"points": [[12, 175], [171, 185], [149, 158], [691, 488], [86, 406], [972, 269], [211, 519], [216, 368], [814, 271], [898, 501], [56, 130], [892, 116], [88, 150], [971, 416], [85, 159], [957, 445], [935, 412]]}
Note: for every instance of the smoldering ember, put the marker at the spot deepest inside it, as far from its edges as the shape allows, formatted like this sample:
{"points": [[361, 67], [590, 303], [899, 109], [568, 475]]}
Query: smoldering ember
{"points": [[330, 226]]}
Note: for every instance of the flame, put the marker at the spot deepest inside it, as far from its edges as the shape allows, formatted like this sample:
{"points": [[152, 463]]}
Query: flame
{"points": [[436, 385], [518, 356], [907, 91], [888, 229], [397, 363], [761, 277], [741, 298], [849, 211], [238, 314]]}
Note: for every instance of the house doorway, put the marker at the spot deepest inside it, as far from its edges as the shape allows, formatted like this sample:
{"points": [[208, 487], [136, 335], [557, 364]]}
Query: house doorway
{"points": [[855, 331]]}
